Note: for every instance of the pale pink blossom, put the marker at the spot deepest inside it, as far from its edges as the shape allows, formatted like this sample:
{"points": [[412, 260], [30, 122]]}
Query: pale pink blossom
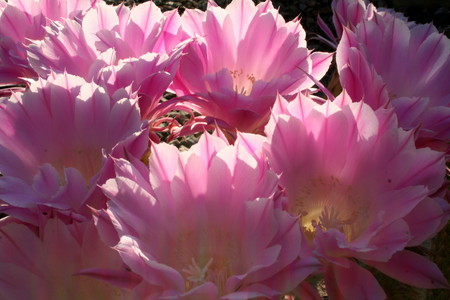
{"points": [[13, 63], [62, 49], [202, 224], [234, 72], [48, 262], [391, 62], [134, 31], [131, 32], [362, 191], [24, 20], [148, 75], [54, 140], [116, 47], [349, 13]]}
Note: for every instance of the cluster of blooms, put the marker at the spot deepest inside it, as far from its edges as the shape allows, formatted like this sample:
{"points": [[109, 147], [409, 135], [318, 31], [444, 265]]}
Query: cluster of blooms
{"points": [[282, 186]]}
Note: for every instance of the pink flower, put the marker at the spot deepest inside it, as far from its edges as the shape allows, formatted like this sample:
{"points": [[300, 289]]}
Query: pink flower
{"points": [[349, 13], [46, 263], [24, 20], [362, 191], [116, 47], [148, 75], [202, 224], [234, 71], [132, 32], [63, 49], [54, 140], [73, 46], [410, 62], [13, 63]]}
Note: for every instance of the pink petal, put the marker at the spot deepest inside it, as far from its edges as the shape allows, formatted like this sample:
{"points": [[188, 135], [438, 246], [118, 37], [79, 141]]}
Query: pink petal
{"points": [[413, 269], [424, 221], [152, 271], [387, 241], [354, 282]]}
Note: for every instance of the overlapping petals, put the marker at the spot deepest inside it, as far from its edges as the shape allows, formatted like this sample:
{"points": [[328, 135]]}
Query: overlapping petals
{"points": [[329, 158], [226, 239], [24, 20], [409, 62], [130, 32], [114, 187], [234, 71], [148, 75], [349, 13], [54, 140], [116, 48], [46, 263]]}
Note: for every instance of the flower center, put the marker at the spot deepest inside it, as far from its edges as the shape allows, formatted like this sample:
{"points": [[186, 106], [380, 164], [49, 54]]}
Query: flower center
{"points": [[87, 162], [215, 273], [326, 203], [194, 274], [243, 82], [206, 255]]}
